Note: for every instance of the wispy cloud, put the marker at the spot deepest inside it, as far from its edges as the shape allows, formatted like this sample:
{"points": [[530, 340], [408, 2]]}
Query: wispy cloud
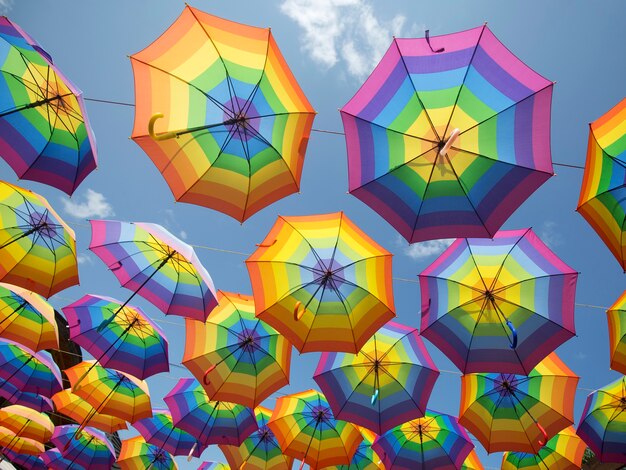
{"points": [[550, 235], [94, 205], [344, 30], [426, 249], [84, 259], [5, 6]]}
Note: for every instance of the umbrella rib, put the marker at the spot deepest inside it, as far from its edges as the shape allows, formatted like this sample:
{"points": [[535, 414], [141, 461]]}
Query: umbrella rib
{"points": [[500, 162]]}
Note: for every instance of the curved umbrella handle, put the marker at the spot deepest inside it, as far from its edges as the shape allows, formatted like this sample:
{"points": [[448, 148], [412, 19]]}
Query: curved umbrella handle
{"points": [[297, 312], [513, 343], [154, 135], [241, 467], [265, 245], [375, 396], [205, 376], [193, 448], [545, 435]]}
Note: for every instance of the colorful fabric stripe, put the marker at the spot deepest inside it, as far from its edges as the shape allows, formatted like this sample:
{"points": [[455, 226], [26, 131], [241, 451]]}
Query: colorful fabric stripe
{"points": [[322, 283], [28, 371], [159, 430], [31, 462], [137, 454], [364, 458], [498, 305], [79, 410], [240, 120], [27, 423], [34, 401], [616, 317], [88, 448], [21, 445], [472, 462]]}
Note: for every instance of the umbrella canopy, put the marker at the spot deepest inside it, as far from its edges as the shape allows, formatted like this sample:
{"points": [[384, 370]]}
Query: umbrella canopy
{"points": [[364, 458], [27, 423], [44, 132], [472, 462], [498, 305], [79, 410], [260, 451], [213, 466], [34, 401], [519, 412], [137, 454], [434, 441], [110, 392], [563, 452], [603, 192], [234, 355], [153, 263], [20, 445], [449, 142], [306, 429], [86, 447], [129, 342], [159, 430], [387, 383], [28, 371], [26, 318], [616, 316], [235, 122], [54, 460], [211, 422], [322, 282], [31, 462], [37, 248], [603, 422]]}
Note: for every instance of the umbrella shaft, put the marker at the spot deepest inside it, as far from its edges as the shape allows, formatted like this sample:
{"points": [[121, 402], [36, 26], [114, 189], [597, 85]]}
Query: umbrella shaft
{"points": [[18, 309]]}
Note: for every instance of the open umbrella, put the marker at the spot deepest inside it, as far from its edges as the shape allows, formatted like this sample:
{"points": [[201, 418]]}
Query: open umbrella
{"points": [[37, 248], [88, 447], [31, 462], [34, 401], [213, 466], [322, 282], [79, 410], [20, 445], [44, 132], [28, 371], [306, 429], [519, 412], [54, 460], [235, 124], [602, 200], [616, 316], [137, 454], [153, 263], [448, 142], [364, 458], [234, 355], [387, 383], [27, 423], [603, 422], [130, 341], [498, 305], [434, 441], [472, 462]]}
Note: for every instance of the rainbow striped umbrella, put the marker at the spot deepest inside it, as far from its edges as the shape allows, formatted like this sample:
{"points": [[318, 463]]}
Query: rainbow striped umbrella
{"points": [[110, 392], [234, 355], [79, 410], [498, 305], [235, 122], [519, 412], [153, 263], [34, 401], [387, 383], [306, 429], [364, 458], [449, 142], [20, 445], [26, 318], [260, 451], [31, 462], [137, 454], [129, 342], [44, 132], [211, 422], [86, 447], [616, 316], [37, 249], [28, 371], [603, 192], [472, 462], [213, 466], [159, 430], [434, 441], [54, 460], [563, 452], [27, 423], [322, 282], [603, 422]]}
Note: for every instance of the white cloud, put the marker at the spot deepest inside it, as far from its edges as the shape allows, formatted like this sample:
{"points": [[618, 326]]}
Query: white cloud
{"points": [[5, 6], [95, 205], [183, 235], [343, 30], [549, 234], [428, 248], [83, 259]]}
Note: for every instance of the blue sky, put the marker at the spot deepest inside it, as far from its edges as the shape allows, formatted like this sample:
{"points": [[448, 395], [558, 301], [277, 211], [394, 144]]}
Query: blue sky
{"points": [[331, 46]]}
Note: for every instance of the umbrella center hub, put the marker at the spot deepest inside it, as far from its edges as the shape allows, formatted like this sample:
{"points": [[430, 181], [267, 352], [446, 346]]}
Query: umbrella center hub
{"points": [[622, 403], [489, 295]]}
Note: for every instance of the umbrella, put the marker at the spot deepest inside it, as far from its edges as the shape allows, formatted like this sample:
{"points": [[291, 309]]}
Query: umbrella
{"points": [[563, 452], [322, 282], [434, 441], [110, 392], [519, 412], [237, 357], [44, 132], [37, 249], [159, 430], [86, 447], [79, 410], [27, 423], [31, 462], [153, 263], [472, 462], [26, 318], [28, 371], [602, 200], [616, 316], [603, 422], [20, 445], [306, 429], [213, 466], [387, 383], [34, 401], [211, 422], [137, 454], [449, 142], [364, 458], [498, 305], [236, 124], [260, 451], [130, 341], [54, 460]]}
